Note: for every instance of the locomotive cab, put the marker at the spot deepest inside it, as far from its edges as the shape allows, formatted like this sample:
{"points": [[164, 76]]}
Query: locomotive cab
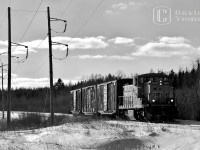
{"points": [[157, 96]]}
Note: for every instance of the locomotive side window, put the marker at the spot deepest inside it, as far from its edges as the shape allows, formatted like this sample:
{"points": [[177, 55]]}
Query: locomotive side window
{"points": [[165, 79], [155, 79], [141, 80]]}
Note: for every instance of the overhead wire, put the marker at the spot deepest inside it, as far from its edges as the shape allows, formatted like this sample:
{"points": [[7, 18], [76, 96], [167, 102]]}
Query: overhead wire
{"points": [[66, 8], [28, 11], [30, 23], [1, 24], [5, 15], [69, 4], [82, 26], [87, 20]]}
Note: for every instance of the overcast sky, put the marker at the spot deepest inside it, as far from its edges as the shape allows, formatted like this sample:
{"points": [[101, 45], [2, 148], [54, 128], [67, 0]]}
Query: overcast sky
{"points": [[103, 37]]}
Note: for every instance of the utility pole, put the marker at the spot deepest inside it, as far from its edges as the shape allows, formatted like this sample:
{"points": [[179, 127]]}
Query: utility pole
{"points": [[9, 69], [2, 94], [2, 90], [50, 68]]}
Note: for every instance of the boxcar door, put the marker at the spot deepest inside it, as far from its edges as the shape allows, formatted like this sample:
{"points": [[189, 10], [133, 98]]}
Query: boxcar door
{"points": [[105, 98], [78, 99], [84, 100], [111, 96], [74, 98], [92, 99], [100, 95]]}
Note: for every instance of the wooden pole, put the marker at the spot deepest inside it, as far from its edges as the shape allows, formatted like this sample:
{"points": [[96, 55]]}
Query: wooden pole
{"points": [[50, 69], [9, 69], [2, 91]]}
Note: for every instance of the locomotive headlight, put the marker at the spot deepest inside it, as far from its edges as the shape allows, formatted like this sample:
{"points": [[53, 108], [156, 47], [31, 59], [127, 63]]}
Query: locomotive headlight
{"points": [[172, 100], [153, 100]]}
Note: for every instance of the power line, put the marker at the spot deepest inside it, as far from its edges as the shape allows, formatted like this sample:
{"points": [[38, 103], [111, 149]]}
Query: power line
{"points": [[5, 15], [3, 19], [66, 8], [28, 11], [87, 20], [60, 16], [30, 22]]}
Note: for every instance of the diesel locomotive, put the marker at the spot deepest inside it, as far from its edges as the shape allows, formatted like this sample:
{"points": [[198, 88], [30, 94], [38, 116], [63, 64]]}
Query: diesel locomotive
{"points": [[146, 97]]}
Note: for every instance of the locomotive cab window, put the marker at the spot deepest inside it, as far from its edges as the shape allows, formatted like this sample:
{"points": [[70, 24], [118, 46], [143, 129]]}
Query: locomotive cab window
{"points": [[155, 79], [141, 80], [165, 79]]}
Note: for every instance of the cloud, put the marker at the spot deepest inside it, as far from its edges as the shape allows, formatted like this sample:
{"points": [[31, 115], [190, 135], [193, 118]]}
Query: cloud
{"points": [[99, 42], [33, 82], [124, 6], [15, 50], [122, 40], [117, 57], [166, 47], [114, 57], [173, 40], [86, 43], [74, 43], [110, 12], [30, 82], [120, 6]]}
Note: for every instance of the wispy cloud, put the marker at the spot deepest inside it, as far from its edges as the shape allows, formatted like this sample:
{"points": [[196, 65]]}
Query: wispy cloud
{"points": [[122, 40], [18, 82], [113, 57], [16, 50], [74, 43], [120, 6], [167, 47], [99, 42], [123, 6]]}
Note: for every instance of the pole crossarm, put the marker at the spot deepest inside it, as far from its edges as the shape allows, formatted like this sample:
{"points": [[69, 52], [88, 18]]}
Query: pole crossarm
{"points": [[3, 53], [56, 19], [4, 65], [58, 43], [17, 44]]}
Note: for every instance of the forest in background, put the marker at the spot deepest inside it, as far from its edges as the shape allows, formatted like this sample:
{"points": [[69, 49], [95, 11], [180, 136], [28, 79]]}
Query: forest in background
{"points": [[187, 88], [37, 99], [186, 83]]}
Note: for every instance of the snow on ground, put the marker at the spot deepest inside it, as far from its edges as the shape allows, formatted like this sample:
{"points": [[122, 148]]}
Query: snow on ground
{"points": [[103, 135]]}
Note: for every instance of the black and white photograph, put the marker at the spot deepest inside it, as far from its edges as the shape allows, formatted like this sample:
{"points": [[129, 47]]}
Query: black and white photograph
{"points": [[99, 75]]}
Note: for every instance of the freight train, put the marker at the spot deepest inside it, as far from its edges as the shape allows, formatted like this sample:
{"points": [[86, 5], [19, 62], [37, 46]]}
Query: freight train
{"points": [[146, 97]]}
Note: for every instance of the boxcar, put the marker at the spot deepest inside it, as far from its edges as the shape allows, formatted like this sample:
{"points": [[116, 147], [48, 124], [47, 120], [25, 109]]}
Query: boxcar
{"points": [[101, 98], [108, 95]]}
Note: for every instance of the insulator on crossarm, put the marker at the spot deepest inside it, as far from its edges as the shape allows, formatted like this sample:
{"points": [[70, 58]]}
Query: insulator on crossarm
{"points": [[27, 54], [67, 51], [65, 26]]}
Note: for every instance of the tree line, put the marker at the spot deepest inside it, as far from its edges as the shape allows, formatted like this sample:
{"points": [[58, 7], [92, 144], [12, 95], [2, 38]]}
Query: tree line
{"points": [[38, 100], [187, 88], [186, 83]]}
